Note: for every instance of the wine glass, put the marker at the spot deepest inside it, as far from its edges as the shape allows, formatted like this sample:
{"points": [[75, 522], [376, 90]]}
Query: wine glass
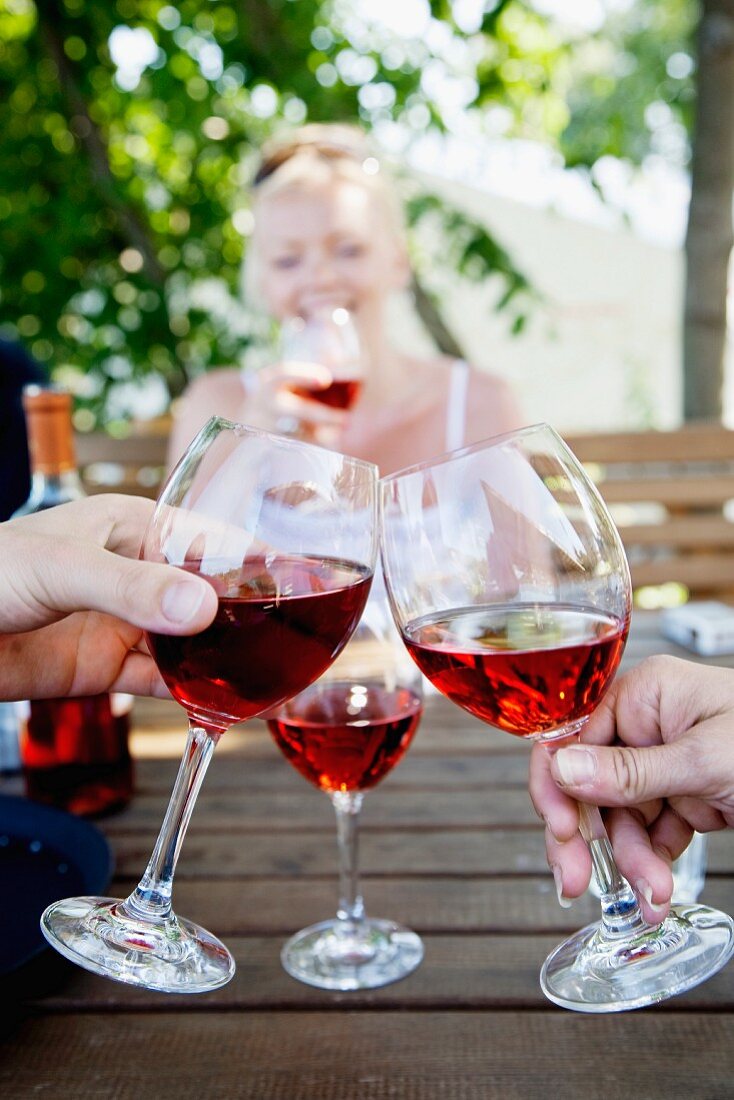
{"points": [[344, 734], [321, 359], [508, 581], [285, 532]]}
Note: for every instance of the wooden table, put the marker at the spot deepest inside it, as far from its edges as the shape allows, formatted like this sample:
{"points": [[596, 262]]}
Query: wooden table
{"points": [[451, 846]]}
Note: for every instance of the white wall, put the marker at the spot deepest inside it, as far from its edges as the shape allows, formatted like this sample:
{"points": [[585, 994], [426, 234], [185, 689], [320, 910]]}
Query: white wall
{"points": [[603, 350]]}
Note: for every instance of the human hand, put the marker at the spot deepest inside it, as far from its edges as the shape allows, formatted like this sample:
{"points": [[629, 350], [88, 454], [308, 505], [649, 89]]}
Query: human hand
{"points": [[73, 605], [660, 748], [287, 394]]}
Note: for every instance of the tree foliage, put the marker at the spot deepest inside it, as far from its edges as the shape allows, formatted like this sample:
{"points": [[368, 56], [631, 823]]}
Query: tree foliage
{"points": [[632, 91], [123, 215]]}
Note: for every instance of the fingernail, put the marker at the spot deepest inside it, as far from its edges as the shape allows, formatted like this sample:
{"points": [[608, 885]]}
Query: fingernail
{"points": [[182, 600], [576, 765], [644, 888], [563, 901]]}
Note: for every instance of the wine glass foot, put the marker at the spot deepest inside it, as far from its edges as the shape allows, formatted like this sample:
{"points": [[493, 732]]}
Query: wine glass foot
{"points": [[371, 954], [594, 973], [172, 955]]}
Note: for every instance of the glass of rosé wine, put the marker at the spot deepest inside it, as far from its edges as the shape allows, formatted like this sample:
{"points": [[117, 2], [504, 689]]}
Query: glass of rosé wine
{"points": [[320, 361], [285, 532], [344, 734], [508, 581]]}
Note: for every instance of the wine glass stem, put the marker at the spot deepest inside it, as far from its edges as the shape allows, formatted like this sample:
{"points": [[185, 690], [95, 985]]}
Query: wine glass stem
{"points": [[347, 805], [620, 912], [151, 899]]}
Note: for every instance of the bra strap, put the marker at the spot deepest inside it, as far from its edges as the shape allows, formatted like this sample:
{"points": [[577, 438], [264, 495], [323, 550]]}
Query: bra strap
{"points": [[456, 404]]}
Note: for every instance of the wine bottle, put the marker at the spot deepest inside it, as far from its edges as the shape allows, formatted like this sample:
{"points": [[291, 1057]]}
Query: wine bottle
{"points": [[74, 752]]}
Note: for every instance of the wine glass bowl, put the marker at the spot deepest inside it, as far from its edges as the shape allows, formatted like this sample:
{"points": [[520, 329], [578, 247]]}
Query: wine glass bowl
{"points": [[479, 660], [509, 583], [323, 350], [235, 668], [285, 533], [344, 734]]}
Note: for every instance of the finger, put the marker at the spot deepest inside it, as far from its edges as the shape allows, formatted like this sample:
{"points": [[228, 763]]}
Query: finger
{"points": [[81, 654], [140, 676], [634, 709], [670, 834], [570, 863], [553, 805], [112, 520], [647, 872], [149, 595], [658, 701], [601, 726], [124, 520], [699, 814], [622, 776], [303, 374]]}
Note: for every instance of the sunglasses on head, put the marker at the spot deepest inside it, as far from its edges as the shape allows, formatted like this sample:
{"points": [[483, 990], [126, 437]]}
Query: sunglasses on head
{"points": [[327, 150]]}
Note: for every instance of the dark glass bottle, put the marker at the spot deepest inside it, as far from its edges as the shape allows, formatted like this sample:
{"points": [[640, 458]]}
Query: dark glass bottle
{"points": [[74, 752]]}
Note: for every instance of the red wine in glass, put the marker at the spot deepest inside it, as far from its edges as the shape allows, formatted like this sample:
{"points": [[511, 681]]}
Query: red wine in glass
{"points": [[525, 668], [340, 393], [346, 736], [279, 625]]}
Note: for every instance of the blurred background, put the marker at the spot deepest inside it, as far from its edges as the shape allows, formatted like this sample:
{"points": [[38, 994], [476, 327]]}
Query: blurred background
{"points": [[567, 167]]}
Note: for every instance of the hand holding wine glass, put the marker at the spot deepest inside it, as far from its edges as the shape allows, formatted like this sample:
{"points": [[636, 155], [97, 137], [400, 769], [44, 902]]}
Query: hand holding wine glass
{"points": [[508, 581], [285, 534], [661, 744], [344, 734]]}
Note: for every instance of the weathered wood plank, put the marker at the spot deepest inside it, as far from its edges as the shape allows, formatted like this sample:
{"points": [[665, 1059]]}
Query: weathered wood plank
{"points": [[445, 772], [703, 442], [381, 852], [693, 491], [370, 1056], [412, 852], [693, 532], [496, 904], [137, 449], [465, 971], [304, 807], [697, 571], [435, 904]]}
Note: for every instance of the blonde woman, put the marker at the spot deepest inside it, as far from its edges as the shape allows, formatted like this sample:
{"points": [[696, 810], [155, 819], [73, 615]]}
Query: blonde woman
{"points": [[329, 233]]}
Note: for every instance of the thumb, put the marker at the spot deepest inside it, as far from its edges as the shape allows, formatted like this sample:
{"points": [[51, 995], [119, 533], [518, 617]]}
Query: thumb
{"points": [[623, 776], [148, 595]]}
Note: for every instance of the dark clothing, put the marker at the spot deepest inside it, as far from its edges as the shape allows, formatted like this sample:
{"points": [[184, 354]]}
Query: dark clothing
{"points": [[17, 369]]}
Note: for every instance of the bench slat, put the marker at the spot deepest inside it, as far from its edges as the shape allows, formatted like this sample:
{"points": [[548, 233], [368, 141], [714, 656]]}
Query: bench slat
{"points": [[688, 476], [694, 442]]}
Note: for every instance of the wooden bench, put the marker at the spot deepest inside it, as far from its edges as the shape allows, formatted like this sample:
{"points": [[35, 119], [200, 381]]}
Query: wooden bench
{"points": [[672, 496], [134, 464]]}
